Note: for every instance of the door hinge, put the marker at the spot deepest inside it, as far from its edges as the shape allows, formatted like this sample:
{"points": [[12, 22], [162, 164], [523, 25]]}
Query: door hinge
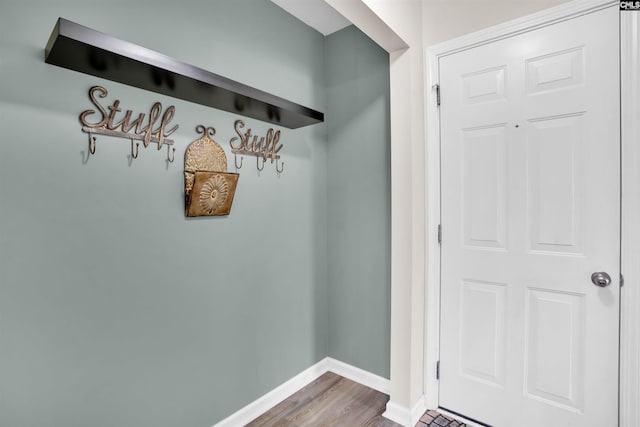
{"points": [[436, 87], [439, 234], [621, 280], [438, 370]]}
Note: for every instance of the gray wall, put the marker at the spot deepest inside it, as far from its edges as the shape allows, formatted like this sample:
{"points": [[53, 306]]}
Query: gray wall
{"points": [[359, 210], [115, 310]]}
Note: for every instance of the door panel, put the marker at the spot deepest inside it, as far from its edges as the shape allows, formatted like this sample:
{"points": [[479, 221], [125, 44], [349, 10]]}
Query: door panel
{"points": [[483, 314], [530, 209], [555, 343], [484, 189], [554, 174]]}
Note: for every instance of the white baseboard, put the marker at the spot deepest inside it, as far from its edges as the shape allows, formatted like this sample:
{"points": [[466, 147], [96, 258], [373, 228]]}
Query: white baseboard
{"points": [[275, 396], [397, 413], [404, 416], [280, 393], [418, 410], [358, 375]]}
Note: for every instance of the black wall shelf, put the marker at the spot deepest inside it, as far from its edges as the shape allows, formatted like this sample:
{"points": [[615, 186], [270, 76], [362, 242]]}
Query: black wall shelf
{"points": [[82, 49]]}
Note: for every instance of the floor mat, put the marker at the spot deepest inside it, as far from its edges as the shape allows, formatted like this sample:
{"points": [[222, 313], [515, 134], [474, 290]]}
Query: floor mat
{"points": [[435, 419]]}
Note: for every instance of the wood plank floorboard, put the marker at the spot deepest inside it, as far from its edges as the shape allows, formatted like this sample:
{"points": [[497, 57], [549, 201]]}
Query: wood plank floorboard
{"points": [[329, 401]]}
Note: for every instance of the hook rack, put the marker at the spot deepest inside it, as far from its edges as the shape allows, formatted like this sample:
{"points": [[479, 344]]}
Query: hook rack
{"points": [[266, 147], [127, 128], [171, 151]]}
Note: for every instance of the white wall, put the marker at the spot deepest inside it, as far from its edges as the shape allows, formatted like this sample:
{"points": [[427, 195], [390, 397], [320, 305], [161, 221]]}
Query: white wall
{"points": [[446, 19]]}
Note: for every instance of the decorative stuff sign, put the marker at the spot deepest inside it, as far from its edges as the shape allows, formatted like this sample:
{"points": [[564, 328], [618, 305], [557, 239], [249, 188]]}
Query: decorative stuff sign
{"points": [[265, 147], [151, 127], [208, 187]]}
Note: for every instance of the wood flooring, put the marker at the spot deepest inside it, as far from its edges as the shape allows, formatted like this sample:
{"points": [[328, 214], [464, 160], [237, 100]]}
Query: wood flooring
{"points": [[329, 401]]}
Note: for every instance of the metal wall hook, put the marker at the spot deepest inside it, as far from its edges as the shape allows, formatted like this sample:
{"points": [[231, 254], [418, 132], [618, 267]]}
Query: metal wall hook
{"points": [[279, 169], [92, 144], [258, 163], [134, 154], [235, 161], [170, 158]]}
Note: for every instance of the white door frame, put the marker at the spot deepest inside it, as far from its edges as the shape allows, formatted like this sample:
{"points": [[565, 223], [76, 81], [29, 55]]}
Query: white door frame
{"points": [[630, 248], [629, 382]]}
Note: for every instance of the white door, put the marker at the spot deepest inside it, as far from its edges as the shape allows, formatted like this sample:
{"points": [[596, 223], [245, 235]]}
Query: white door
{"points": [[530, 209]]}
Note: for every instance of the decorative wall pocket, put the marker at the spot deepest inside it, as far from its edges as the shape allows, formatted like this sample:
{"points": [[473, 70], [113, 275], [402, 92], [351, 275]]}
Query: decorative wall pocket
{"points": [[139, 129], [265, 147], [208, 187]]}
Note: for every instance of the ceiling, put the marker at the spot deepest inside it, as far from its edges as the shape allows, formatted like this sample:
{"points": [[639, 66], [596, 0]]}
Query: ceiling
{"points": [[315, 13]]}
